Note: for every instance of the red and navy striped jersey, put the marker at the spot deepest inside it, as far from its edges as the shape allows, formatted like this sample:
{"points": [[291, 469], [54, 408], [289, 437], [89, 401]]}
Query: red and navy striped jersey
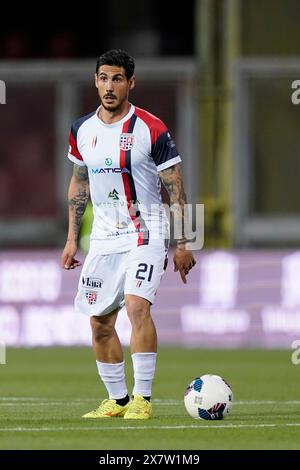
{"points": [[123, 161]]}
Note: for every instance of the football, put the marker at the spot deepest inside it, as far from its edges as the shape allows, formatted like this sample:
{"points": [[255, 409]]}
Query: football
{"points": [[208, 397]]}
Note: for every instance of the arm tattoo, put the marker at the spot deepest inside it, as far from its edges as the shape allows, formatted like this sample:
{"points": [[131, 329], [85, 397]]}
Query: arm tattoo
{"points": [[173, 182], [77, 206], [80, 172], [172, 179], [78, 198]]}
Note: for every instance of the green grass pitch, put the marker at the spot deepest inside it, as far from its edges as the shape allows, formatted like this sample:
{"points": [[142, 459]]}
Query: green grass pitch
{"points": [[44, 392]]}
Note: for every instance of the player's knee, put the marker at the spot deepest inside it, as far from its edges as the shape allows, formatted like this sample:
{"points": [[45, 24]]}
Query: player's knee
{"points": [[100, 329], [138, 313]]}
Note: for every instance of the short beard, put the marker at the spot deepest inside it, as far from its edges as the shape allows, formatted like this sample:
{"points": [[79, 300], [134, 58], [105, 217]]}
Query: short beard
{"points": [[111, 107]]}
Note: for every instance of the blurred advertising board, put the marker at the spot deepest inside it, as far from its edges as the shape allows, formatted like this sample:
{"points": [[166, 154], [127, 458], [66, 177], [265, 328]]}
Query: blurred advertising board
{"points": [[232, 299]]}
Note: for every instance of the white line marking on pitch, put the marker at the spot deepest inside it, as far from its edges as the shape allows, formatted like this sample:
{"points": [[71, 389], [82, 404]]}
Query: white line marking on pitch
{"points": [[31, 401], [133, 428]]}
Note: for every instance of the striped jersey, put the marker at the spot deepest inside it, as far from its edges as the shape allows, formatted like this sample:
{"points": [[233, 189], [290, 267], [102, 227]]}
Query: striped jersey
{"points": [[123, 161]]}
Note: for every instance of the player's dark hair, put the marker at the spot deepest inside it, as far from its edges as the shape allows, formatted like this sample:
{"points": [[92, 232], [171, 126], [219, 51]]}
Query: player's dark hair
{"points": [[119, 58]]}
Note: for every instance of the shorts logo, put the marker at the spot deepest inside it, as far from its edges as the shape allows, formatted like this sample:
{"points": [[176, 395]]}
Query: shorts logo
{"points": [[126, 141], [91, 297], [92, 282], [139, 283]]}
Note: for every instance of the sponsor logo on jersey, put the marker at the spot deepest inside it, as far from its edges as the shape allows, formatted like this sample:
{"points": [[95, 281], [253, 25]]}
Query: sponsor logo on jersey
{"points": [[108, 161], [116, 202], [91, 297], [126, 141], [99, 171], [114, 194], [92, 282], [115, 234]]}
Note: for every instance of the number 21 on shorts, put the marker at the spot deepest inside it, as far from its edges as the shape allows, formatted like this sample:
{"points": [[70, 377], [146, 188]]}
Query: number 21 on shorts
{"points": [[145, 271]]}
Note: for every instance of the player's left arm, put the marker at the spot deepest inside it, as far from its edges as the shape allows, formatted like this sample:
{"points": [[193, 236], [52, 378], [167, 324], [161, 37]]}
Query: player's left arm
{"points": [[173, 182]]}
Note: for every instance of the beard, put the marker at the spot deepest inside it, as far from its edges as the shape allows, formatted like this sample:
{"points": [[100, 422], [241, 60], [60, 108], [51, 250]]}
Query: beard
{"points": [[110, 107], [117, 104]]}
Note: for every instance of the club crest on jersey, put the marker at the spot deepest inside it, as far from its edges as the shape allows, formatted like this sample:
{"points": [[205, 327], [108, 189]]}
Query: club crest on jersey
{"points": [[126, 141]]}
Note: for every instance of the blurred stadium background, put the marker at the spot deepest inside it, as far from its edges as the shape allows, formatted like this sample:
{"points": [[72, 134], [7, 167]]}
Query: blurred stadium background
{"points": [[219, 73]]}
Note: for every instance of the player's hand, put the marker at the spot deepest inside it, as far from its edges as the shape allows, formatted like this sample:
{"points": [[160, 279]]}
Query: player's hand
{"points": [[184, 261], [67, 258]]}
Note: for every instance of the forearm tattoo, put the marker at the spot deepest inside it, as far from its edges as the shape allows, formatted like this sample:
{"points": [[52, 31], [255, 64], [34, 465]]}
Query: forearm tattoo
{"points": [[173, 182], [172, 179], [78, 201], [80, 172]]}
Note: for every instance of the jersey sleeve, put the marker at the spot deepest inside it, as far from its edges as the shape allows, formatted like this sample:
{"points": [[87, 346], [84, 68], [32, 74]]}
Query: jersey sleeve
{"points": [[74, 155], [163, 147]]}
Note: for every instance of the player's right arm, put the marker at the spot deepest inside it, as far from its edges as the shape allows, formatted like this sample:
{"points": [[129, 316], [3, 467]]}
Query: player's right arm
{"points": [[78, 195]]}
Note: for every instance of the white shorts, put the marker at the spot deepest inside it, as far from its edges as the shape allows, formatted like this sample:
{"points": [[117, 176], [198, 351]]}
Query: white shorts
{"points": [[106, 278]]}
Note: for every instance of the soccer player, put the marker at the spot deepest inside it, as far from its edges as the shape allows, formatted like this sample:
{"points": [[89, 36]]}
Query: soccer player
{"points": [[121, 153]]}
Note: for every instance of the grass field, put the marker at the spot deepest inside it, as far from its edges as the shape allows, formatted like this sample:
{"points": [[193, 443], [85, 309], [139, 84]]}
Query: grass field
{"points": [[44, 392]]}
